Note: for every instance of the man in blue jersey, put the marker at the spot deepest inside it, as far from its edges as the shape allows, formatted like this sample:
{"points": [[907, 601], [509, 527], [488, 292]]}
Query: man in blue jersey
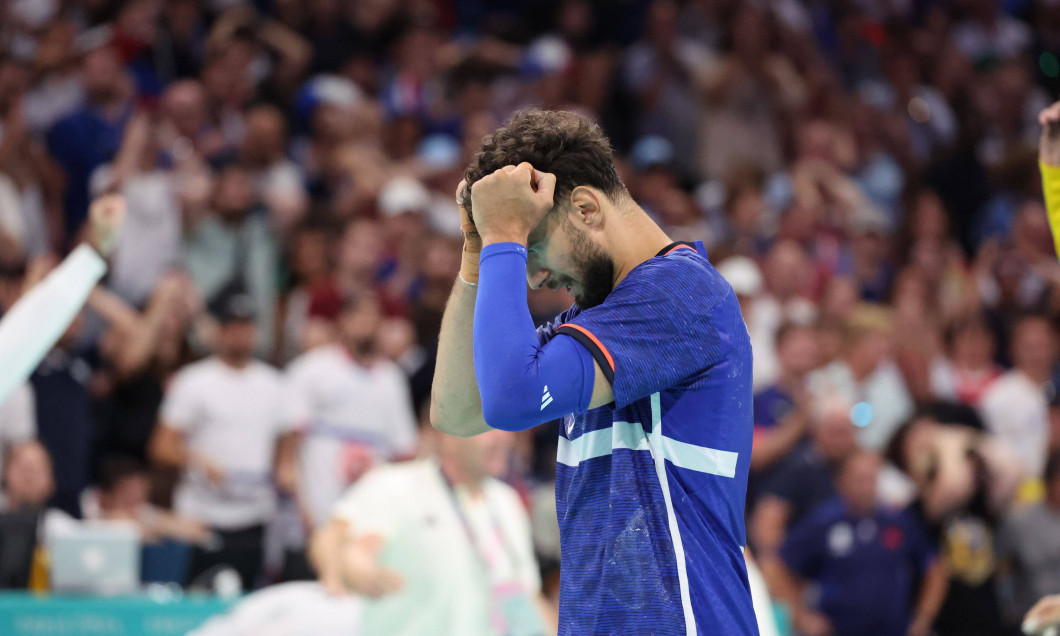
{"points": [[650, 370]]}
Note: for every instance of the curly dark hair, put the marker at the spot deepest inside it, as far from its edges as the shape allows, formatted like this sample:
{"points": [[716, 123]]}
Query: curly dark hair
{"points": [[563, 143]]}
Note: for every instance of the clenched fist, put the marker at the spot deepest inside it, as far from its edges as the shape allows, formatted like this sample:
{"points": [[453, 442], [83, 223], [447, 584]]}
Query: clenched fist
{"points": [[1049, 145], [105, 217], [509, 203]]}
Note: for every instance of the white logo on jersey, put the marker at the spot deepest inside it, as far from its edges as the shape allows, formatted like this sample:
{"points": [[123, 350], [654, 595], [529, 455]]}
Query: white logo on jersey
{"points": [[546, 398]]}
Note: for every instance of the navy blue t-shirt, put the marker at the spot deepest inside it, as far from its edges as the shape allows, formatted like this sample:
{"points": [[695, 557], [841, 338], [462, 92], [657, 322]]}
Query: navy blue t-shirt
{"points": [[803, 480], [65, 425], [867, 567]]}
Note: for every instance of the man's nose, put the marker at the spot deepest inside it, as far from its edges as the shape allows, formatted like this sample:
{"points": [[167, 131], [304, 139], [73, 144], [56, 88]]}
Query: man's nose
{"points": [[536, 276]]}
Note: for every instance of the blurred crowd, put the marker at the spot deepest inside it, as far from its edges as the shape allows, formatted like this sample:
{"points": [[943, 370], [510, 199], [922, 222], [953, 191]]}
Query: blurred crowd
{"points": [[863, 173]]}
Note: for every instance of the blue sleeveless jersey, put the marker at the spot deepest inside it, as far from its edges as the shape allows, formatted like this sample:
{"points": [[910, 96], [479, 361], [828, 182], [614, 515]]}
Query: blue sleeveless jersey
{"points": [[650, 489]]}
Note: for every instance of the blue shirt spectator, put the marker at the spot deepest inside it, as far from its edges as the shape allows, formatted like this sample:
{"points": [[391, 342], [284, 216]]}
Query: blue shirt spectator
{"points": [[90, 136], [866, 560]]}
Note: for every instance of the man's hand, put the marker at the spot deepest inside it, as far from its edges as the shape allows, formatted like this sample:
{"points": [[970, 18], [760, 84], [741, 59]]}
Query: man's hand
{"points": [[105, 218], [361, 570], [213, 473], [511, 202], [921, 626], [812, 623], [1049, 145], [1044, 617], [472, 238]]}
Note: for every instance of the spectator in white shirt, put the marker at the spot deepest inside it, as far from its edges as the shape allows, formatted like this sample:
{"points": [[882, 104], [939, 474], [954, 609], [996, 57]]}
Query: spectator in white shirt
{"points": [[867, 377], [222, 423], [1015, 408], [437, 545], [353, 407]]}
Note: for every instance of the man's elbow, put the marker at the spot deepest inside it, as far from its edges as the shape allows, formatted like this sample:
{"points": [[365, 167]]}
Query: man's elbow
{"points": [[445, 421], [508, 415]]}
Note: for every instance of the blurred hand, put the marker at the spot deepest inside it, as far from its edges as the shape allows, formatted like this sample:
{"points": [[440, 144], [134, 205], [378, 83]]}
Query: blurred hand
{"points": [[213, 473], [921, 626], [37, 269], [287, 477], [510, 202], [1049, 143], [813, 624], [106, 216], [363, 574], [472, 239], [1044, 617]]}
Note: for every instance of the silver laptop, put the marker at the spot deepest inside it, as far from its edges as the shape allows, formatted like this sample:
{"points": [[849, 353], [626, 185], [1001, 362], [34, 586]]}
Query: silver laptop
{"points": [[95, 558]]}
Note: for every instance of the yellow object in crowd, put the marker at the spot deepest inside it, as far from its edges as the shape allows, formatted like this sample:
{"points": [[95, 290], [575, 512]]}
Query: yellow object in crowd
{"points": [[38, 573], [1051, 189]]}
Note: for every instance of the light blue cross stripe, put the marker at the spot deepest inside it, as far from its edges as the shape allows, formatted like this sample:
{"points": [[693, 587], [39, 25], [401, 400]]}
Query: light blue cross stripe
{"points": [[631, 436]]}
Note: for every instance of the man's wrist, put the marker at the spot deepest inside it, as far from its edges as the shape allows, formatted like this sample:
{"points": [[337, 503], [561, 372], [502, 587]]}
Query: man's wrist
{"points": [[504, 237]]}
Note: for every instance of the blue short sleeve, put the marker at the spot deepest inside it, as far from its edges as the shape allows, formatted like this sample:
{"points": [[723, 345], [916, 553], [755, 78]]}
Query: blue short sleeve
{"points": [[666, 325]]}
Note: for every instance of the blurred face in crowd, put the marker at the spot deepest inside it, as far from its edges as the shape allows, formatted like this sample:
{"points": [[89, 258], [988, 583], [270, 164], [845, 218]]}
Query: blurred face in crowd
{"points": [[973, 344], [442, 260], [139, 20], [127, 496], [478, 457], [786, 268], [745, 210], [309, 254], [359, 324], [833, 433], [857, 481], [798, 352], [184, 103], [1033, 347], [56, 47], [236, 341], [102, 74], [840, 298], [265, 136], [28, 479], [929, 217], [362, 246], [869, 348], [226, 76], [1031, 230], [233, 194], [395, 337]]}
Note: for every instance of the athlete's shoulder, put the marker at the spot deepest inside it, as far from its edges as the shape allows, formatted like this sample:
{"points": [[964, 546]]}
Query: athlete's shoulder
{"points": [[682, 276]]}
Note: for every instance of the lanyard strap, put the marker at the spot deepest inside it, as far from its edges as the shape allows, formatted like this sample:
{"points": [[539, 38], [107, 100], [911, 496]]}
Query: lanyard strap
{"points": [[476, 545]]}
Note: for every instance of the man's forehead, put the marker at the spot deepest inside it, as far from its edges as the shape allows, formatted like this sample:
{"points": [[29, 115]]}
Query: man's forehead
{"points": [[543, 230]]}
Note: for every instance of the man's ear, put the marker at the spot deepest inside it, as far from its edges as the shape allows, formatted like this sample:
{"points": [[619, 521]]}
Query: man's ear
{"points": [[586, 208]]}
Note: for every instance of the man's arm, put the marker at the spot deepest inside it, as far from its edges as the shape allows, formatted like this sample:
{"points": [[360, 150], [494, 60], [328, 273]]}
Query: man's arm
{"points": [[286, 464], [351, 564], [456, 408], [790, 589], [932, 593], [167, 448], [41, 316], [522, 383], [324, 548]]}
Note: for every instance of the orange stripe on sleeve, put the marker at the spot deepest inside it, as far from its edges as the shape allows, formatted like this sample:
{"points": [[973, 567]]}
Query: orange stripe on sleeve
{"points": [[590, 336]]}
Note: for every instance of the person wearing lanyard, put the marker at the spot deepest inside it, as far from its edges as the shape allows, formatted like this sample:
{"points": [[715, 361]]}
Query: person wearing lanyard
{"points": [[438, 545]]}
